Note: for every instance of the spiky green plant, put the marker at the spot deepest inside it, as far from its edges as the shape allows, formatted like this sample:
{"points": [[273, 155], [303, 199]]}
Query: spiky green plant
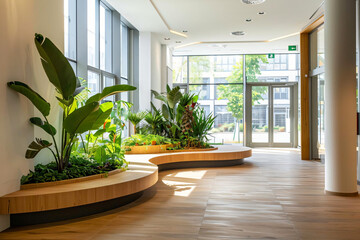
{"points": [[135, 118]]}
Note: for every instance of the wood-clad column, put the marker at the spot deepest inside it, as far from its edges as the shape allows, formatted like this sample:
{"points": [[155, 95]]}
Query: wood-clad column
{"points": [[305, 96], [340, 97]]}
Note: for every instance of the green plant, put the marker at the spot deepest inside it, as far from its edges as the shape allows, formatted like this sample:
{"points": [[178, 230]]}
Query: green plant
{"points": [[143, 140], [79, 166], [75, 120], [156, 122], [202, 125], [135, 118]]}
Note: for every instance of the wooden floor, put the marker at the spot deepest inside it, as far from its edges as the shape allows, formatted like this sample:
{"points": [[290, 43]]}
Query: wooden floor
{"points": [[274, 195]]}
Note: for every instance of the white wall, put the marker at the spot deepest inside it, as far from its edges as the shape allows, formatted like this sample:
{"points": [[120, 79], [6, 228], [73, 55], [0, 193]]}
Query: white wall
{"points": [[19, 61], [155, 64], [153, 61], [144, 70]]}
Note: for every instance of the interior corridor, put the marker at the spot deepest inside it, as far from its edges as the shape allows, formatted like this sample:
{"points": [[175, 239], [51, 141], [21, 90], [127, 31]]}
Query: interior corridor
{"points": [[274, 195]]}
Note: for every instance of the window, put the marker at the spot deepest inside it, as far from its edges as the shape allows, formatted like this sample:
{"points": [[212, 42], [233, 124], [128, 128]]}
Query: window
{"points": [[105, 38], [93, 33], [124, 50], [70, 32], [219, 81]]}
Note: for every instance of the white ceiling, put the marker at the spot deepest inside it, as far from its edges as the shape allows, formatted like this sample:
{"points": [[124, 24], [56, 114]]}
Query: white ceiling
{"points": [[213, 20]]}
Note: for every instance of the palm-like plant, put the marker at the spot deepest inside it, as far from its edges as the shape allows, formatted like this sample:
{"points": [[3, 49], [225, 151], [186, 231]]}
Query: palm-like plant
{"points": [[135, 118], [202, 124], [75, 120]]}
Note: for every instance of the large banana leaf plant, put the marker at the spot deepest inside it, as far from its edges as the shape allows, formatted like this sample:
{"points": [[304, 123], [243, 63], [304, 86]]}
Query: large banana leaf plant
{"points": [[75, 120]]}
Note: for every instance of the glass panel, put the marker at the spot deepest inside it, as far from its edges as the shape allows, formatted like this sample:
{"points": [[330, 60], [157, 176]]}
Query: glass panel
{"points": [[200, 69], [281, 114], [125, 97], [124, 51], [105, 38], [70, 28], [281, 68], [321, 47], [202, 90], [108, 82], [73, 65], [179, 69], [217, 69], [321, 114], [260, 113], [93, 34], [93, 83]]}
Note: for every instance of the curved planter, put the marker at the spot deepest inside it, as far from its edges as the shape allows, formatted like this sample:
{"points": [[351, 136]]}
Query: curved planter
{"points": [[149, 149], [67, 181], [73, 198]]}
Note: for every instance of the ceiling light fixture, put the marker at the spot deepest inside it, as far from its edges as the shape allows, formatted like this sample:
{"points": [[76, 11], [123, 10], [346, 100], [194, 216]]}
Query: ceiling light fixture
{"points": [[164, 21], [253, 1], [238, 33], [178, 33]]}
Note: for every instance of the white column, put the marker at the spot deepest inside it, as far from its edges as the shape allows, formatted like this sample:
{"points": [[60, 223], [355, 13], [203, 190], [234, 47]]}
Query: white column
{"points": [[340, 97]]}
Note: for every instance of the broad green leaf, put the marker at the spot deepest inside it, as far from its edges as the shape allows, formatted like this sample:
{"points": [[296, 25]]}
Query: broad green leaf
{"points": [[165, 112], [96, 118], [44, 125], [35, 147], [99, 132], [159, 96], [74, 121], [66, 102], [56, 66], [174, 96], [39, 102], [108, 91]]}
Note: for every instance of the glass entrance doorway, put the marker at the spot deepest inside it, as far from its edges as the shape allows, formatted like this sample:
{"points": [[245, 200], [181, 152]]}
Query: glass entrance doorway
{"points": [[271, 115]]}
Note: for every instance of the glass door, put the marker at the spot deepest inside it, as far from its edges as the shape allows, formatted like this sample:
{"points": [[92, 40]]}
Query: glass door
{"points": [[271, 115]]}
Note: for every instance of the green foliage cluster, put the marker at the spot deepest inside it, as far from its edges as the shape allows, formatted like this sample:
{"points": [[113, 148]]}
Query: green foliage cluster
{"points": [[144, 140], [180, 119], [78, 115], [78, 167]]}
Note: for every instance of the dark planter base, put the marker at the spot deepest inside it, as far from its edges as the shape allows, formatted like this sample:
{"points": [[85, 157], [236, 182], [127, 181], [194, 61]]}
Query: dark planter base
{"points": [[200, 164], [24, 219]]}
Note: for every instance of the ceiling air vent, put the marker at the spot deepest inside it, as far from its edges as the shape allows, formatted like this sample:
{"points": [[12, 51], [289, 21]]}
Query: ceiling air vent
{"points": [[253, 1]]}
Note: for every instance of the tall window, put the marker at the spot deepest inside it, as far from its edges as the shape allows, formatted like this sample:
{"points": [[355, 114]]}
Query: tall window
{"points": [[102, 55], [100, 50], [219, 81], [70, 31]]}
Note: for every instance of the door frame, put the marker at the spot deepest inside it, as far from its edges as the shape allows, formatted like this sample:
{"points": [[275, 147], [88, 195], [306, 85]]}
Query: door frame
{"points": [[293, 86]]}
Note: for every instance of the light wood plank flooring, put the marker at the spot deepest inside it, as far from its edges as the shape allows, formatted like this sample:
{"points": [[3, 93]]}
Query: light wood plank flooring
{"points": [[274, 195]]}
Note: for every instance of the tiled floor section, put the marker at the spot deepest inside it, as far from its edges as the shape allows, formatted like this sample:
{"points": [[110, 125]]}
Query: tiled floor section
{"points": [[274, 195]]}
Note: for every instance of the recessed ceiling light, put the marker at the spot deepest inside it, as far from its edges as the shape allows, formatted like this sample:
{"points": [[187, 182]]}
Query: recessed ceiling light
{"points": [[248, 20], [238, 33], [253, 1], [166, 39], [261, 13]]}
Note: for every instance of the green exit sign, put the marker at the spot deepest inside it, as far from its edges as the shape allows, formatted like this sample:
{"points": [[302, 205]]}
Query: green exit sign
{"points": [[271, 55], [292, 48]]}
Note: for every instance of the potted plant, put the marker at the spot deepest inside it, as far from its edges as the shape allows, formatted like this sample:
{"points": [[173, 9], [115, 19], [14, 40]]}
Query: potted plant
{"points": [[75, 120]]}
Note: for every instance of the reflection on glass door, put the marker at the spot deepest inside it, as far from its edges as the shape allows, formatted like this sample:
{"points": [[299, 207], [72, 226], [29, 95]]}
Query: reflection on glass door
{"points": [[281, 115], [321, 114], [260, 113]]}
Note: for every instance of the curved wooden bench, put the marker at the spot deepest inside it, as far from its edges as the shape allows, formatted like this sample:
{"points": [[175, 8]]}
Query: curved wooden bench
{"points": [[142, 174]]}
